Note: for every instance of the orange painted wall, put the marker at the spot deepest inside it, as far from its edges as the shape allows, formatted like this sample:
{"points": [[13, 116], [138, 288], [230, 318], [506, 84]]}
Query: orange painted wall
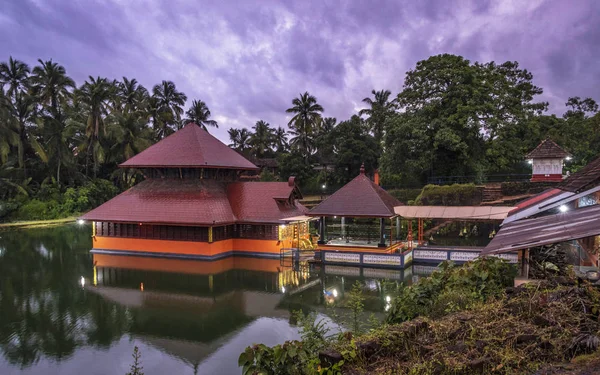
{"points": [[186, 247]]}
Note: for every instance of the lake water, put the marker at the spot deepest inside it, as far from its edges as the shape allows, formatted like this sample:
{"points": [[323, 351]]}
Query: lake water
{"points": [[64, 311]]}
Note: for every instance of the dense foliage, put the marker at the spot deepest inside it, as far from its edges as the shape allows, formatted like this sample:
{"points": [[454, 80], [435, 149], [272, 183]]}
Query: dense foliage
{"points": [[449, 195], [452, 117]]}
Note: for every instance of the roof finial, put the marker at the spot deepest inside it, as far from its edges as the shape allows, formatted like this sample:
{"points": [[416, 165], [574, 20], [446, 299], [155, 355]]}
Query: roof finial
{"points": [[362, 168]]}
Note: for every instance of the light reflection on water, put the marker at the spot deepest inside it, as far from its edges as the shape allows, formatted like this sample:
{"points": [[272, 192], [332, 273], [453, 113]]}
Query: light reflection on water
{"points": [[60, 314]]}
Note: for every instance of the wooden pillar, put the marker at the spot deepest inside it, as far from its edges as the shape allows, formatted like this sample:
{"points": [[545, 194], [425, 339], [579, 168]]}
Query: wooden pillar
{"points": [[343, 227], [322, 231], [210, 234], [93, 229], [410, 234], [397, 227], [381, 233], [420, 231], [526, 263]]}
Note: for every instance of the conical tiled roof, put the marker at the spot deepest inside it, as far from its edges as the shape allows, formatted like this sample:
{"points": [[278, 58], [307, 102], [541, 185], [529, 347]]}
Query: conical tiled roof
{"points": [[360, 197], [548, 149], [190, 147]]}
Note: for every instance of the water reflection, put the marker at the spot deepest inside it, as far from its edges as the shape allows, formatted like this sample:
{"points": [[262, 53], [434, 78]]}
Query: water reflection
{"points": [[65, 311]]}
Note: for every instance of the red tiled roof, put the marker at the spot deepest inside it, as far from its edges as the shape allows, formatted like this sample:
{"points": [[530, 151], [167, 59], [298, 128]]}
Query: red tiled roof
{"points": [[190, 147], [168, 201], [586, 178], [360, 197], [547, 149], [201, 202], [263, 202]]}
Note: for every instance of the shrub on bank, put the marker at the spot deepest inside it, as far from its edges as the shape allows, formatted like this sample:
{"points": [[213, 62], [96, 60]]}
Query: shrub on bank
{"points": [[50, 203], [405, 195], [525, 187], [449, 195]]}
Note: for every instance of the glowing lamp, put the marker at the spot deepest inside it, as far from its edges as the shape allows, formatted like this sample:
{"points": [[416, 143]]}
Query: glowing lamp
{"points": [[563, 208], [80, 221]]}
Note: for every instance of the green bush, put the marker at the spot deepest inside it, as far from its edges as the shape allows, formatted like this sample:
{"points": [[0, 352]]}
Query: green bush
{"points": [[49, 203], [449, 195], [453, 288]]}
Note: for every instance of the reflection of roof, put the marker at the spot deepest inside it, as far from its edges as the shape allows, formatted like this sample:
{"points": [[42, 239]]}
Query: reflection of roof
{"points": [[360, 197], [586, 178], [190, 147], [454, 212], [546, 230], [547, 149], [168, 201], [260, 202], [201, 202]]}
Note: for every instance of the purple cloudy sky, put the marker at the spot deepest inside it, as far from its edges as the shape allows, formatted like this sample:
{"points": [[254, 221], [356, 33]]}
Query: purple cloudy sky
{"points": [[248, 59]]}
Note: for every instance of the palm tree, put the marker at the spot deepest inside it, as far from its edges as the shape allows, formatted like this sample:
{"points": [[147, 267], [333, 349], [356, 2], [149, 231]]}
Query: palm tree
{"points": [[50, 84], [200, 115], [240, 139], [324, 142], [280, 140], [8, 136], [15, 74], [170, 104], [380, 109], [304, 123], [262, 139], [95, 95], [132, 96]]}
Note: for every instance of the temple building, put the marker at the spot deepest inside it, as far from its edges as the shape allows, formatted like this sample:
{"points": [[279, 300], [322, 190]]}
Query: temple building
{"points": [[547, 161], [194, 203]]}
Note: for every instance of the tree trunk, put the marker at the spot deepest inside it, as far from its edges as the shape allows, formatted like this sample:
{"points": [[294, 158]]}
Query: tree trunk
{"points": [[58, 173]]}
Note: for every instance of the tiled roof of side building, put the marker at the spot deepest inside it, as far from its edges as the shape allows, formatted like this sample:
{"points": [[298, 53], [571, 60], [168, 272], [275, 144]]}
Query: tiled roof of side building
{"points": [[190, 147], [168, 201], [360, 197], [547, 149], [584, 179], [263, 202]]}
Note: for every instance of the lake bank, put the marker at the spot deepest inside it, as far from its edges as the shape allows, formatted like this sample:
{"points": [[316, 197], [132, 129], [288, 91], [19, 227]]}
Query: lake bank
{"points": [[29, 224]]}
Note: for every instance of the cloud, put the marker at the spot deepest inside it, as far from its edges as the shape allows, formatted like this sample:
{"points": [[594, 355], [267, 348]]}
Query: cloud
{"points": [[247, 60]]}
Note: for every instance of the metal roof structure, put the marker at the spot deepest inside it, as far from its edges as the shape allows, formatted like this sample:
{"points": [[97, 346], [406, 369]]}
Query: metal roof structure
{"points": [[547, 149], [545, 230], [454, 212], [190, 147], [585, 178], [360, 197]]}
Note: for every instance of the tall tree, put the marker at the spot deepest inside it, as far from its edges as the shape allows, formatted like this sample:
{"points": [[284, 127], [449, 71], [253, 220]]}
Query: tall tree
{"points": [[325, 141], [280, 140], [15, 75], [200, 115], [262, 139], [132, 96], [380, 109], [51, 85], [170, 104], [240, 139], [304, 123], [95, 94]]}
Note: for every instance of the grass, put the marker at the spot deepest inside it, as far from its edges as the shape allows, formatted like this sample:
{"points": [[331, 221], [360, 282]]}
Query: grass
{"points": [[36, 223]]}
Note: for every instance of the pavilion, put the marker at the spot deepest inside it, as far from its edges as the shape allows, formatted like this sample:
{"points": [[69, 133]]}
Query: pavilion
{"points": [[363, 199], [547, 162], [194, 203]]}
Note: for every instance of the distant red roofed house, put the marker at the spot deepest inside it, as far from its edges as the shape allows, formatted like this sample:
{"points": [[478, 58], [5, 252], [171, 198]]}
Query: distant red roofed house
{"points": [[547, 161], [194, 204]]}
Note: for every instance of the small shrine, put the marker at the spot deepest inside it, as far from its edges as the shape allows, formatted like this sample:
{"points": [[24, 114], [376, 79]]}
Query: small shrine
{"points": [[547, 161]]}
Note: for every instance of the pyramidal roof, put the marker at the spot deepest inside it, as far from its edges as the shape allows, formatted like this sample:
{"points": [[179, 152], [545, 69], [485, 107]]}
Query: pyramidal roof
{"points": [[190, 147], [360, 197], [548, 149]]}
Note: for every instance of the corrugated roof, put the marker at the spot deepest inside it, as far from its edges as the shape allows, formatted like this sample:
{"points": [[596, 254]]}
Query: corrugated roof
{"points": [[261, 202], [545, 230], [454, 212], [586, 178], [190, 147], [360, 197], [547, 149], [168, 201]]}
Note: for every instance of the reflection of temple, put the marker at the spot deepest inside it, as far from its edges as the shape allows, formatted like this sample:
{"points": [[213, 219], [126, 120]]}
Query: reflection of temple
{"points": [[194, 204], [191, 308]]}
